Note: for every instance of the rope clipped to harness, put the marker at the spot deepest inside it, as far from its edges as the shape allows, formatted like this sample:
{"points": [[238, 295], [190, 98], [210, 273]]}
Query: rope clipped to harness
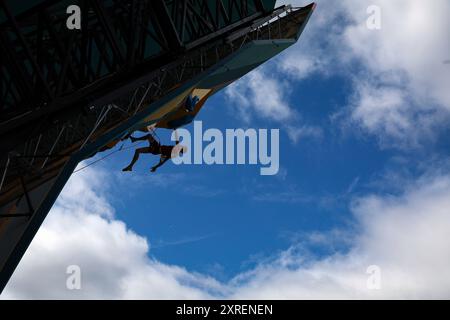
{"points": [[120, 149]]}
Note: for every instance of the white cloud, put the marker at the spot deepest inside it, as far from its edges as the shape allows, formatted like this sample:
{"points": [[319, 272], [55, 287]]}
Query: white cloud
{"points": [[401, 78], [81, 230], [259, 94], [405, 235], [389, 112], [296, 133], [318, 49], [413, 40]]}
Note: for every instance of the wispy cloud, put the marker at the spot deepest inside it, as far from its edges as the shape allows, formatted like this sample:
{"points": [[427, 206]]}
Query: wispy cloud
{"points": [[262, 94], [193, 185], [352, 185], [289, 193], [258, 95], [300, 132], [165, 243]]}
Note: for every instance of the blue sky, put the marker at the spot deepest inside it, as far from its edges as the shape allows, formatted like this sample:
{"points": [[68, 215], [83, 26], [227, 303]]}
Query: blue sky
{"points": [[364, 120], [220, 205]]}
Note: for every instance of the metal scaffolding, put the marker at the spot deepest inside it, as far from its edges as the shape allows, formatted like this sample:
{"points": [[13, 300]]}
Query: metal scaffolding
{"points": [[66, 93]]}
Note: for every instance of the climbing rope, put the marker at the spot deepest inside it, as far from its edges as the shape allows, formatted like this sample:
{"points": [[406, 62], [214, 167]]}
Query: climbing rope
{"points": [[121, 148]]}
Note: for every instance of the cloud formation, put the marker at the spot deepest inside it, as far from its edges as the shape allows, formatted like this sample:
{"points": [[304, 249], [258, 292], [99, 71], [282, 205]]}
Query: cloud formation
{"points": [[261, 95], [81, 230], [406, 236], [257, 93], [400, 82]]}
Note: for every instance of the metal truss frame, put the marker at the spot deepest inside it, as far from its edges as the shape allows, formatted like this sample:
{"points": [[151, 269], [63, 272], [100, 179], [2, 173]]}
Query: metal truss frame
{"points": [[61, 93]]}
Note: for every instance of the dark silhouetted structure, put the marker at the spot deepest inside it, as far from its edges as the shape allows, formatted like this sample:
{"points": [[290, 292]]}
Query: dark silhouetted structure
{"points": [[67, 94]]}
